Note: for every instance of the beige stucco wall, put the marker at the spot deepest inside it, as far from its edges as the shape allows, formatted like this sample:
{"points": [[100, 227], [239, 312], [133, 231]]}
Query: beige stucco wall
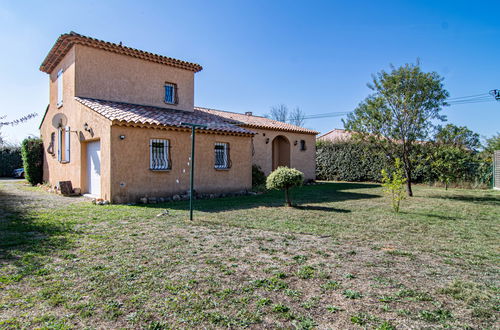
{"points": [[77, 115], [304, 161], [109, 76], [132, 179]]}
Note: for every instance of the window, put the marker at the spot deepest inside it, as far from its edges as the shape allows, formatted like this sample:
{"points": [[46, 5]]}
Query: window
{"points": [[222, 160], [63, 145], [60, 88], [170, 93], [159, 155], [302, 145]]}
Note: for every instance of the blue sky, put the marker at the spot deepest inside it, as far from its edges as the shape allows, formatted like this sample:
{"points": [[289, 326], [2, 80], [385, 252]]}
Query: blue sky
{"points": [[311, 54]]}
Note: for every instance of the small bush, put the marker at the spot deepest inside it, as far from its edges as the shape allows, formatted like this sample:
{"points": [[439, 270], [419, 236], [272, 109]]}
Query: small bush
{"points": [[258, 176], [10, 159], [394, 184], [32, 153], [284, 178]]}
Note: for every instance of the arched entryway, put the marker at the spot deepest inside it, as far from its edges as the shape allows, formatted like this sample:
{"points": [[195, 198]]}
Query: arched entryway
{"points": [[281, 152]]}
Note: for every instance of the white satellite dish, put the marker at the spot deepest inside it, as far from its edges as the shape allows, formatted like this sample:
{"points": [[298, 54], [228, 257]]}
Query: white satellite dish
{"points": [[59, 120]]}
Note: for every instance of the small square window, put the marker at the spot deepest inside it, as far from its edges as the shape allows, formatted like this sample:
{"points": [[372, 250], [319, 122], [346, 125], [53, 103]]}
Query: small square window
{"points": [[222, 160], [170, 93]]}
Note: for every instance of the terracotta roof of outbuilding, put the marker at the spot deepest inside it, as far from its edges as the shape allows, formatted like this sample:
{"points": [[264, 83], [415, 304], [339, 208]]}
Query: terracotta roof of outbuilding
{"points": [[128, 113], [67, 40], [252, 121]]}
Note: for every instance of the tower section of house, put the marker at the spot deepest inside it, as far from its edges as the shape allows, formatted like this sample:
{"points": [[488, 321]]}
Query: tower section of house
{"points": [[113, 125]]}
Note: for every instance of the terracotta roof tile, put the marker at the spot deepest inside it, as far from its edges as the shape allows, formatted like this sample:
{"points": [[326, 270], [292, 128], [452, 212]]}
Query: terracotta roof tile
{"points": [[149, 115], [67, 40], [257, 121]]}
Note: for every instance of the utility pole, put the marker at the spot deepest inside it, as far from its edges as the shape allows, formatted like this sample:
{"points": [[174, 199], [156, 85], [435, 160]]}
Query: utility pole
{"points": [[191, 176]]}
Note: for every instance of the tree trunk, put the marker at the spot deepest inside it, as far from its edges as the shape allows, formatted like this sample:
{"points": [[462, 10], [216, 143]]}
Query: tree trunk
{"points": [[407, 166], [287, 198]]}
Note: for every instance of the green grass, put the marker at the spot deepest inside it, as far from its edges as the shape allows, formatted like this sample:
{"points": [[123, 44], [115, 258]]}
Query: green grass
{"points": [[249, 261]]}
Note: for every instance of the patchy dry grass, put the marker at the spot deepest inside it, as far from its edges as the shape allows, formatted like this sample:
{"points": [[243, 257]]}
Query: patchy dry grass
{"points": [[340, 260]]}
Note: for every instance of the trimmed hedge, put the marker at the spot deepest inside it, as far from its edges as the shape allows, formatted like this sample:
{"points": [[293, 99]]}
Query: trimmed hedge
{"points": [[10, 159], [358, 161], [32, 152]]}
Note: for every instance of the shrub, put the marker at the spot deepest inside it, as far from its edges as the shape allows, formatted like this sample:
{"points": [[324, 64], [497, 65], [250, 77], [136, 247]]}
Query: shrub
{"points": [[394, 184], [258, 177], [284, 178], [10, 159], [32, 153]]}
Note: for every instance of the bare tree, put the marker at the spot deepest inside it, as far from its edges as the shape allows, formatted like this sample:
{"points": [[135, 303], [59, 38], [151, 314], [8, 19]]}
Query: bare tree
{"points": [[297, 117], [14, 122], [279, 113]]}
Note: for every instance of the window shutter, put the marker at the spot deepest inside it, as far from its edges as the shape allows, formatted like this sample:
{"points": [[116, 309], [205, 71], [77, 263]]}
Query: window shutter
{"points": [[59, 144], [60, 88], [67, 134], [228, 157]]}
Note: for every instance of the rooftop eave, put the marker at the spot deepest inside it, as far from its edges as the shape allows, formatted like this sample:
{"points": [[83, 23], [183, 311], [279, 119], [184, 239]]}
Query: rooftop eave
{"points": [[66, 41]]}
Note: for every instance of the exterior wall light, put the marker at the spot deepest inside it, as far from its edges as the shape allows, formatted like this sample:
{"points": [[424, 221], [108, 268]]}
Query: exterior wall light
{"points": [[267, 140], [122, 137], [295, 143]]}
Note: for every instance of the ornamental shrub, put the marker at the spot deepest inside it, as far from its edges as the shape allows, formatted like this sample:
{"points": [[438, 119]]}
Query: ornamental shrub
{"points": [[393, 184], [284, 178], [10, 159], [32, 153]]}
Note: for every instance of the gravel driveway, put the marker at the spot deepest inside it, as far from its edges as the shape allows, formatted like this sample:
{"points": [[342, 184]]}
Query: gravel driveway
{"points": [[16, 194]]}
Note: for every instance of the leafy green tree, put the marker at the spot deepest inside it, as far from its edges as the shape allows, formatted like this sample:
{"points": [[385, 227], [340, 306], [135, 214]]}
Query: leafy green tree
{"points": [[458, 136], [400, 112], [284, 178], [393, 184], [32, 153], [492, 144]]}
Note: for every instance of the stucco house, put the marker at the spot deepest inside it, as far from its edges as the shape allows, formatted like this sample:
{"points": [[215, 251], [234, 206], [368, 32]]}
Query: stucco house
{"points": [[113, 127], [336, 135]]}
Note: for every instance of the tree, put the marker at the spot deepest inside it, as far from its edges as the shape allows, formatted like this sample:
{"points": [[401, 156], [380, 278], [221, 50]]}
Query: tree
{"points": [[492, 144], [458, 136], [393, 184], [400, 112], [284, 178], [281, 113], [14, 123], [297, 117]]}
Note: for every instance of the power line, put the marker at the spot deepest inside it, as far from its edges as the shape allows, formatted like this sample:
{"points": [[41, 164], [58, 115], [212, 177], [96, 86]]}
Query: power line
{"points": [[470, 99]]}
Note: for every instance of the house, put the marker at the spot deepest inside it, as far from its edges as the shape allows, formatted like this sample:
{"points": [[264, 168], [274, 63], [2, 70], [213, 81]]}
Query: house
{"points": [[336, 135], [114, 127]]}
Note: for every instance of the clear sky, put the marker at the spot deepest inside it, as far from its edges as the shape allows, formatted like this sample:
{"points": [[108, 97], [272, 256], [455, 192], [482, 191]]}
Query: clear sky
{"points": [[311, 54]]}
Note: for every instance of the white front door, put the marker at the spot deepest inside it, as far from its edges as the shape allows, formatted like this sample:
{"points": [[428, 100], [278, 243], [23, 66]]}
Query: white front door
{"points": [[94, 168]]}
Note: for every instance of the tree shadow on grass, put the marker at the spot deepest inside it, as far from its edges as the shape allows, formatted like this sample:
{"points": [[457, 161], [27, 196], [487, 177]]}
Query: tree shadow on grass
{"points": [[314, 194], [484, 200], [26, 240], [320, 208]]}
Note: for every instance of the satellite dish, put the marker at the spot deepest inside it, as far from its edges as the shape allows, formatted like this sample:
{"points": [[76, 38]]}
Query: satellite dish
{"points": [[59, 120]]}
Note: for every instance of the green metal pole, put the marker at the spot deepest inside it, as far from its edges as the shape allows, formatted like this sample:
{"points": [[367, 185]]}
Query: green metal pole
{"points": [[191, 185]]}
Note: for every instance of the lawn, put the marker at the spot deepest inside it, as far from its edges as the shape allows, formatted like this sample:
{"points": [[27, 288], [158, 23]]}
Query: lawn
{"points": [[341, 259]]}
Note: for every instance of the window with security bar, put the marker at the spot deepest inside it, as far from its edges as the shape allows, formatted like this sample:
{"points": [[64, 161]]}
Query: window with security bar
{"points": [[159, 154], [222, 160], [170, 93]]}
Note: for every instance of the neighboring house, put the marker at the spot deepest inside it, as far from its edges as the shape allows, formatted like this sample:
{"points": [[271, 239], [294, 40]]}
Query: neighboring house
{"points": [[336, 135], [113, 127]]}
